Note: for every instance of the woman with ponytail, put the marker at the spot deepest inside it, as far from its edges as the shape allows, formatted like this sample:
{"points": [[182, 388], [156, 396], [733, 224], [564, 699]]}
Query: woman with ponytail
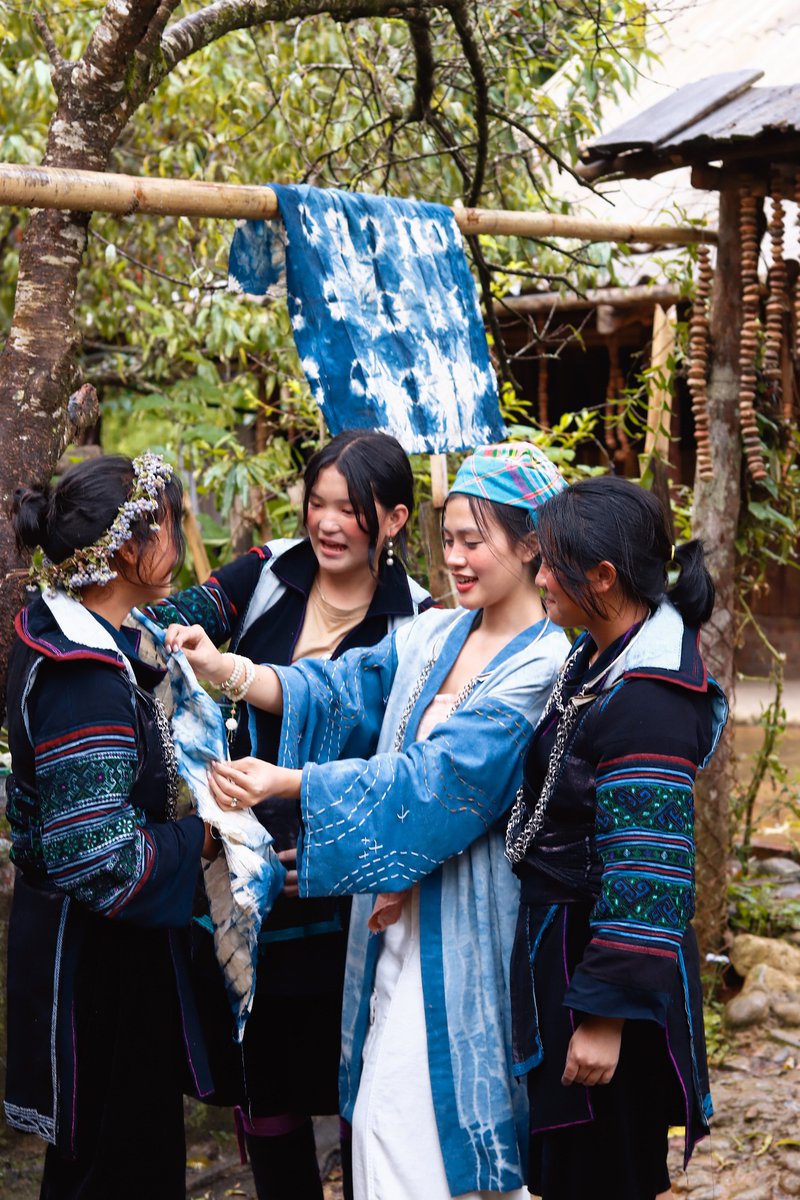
{"points": [[103, 1038], [605, 974]]}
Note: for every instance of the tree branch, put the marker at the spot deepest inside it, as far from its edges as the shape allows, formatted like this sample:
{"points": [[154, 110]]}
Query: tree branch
{"points": [[463, 23], [419, 27], [200, 29], [49, 42]]}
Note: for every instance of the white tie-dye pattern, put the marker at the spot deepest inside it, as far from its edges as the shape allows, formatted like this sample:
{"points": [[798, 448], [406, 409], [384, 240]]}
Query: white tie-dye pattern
{"points": [[243, 882], [391, 334]]}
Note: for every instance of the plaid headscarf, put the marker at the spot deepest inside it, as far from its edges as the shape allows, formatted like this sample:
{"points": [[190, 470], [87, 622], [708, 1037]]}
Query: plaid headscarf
{"points": [[515, 473]]}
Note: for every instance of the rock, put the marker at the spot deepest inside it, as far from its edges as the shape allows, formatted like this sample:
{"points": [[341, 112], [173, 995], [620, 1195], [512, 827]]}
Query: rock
{"points": [[764, 978], [788, 1039], [749, 951], [787, 1012], [788, 891], [777, 868], [789, 1159], [790, 1185], [752, 1113], [748, 1008], [764, 1192]]}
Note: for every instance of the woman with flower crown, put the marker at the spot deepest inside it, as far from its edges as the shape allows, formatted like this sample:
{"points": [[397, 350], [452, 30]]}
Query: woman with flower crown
{"points": [[102, 1034], [401, 759]]}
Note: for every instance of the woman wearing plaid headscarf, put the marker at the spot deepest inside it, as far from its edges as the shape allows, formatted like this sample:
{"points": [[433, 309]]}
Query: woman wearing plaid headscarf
{"points": [[412, 752]]}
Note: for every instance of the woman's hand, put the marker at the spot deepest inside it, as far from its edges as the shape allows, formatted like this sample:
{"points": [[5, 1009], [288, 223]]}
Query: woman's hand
{"points": [[593, 1051], [204, 658], [248, 781]]}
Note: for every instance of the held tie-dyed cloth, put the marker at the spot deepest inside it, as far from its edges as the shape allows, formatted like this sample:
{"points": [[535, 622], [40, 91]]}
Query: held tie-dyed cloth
{"points": [[384, 311], [244, 880]]}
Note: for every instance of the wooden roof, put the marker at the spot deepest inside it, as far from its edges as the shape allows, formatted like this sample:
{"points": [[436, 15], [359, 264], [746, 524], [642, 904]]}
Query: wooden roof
{"points": [[719, 117]]}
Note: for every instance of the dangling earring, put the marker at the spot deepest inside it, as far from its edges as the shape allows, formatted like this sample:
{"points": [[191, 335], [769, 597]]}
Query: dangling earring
{"points": [[390, 552]]}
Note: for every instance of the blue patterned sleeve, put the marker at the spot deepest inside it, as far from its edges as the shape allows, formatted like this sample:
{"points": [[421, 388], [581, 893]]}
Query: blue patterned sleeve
{"points": [[382, 824], [219, 603], [92, 842], [654, 736], [334, 708]]}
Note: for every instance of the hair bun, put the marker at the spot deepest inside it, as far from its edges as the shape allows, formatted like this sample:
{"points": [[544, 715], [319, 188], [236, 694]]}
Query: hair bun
{"points": [[30, 510]]}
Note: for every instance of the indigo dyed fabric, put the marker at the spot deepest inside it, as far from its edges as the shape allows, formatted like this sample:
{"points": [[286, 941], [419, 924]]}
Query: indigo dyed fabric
{"points": [[384, 312], [379, 820], [244, 880]]}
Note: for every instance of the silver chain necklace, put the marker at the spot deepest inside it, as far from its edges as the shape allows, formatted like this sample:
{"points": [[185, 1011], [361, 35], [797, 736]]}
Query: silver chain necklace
{"points": [[416, 692], [170, 758], [418, 687], [519, 832]]}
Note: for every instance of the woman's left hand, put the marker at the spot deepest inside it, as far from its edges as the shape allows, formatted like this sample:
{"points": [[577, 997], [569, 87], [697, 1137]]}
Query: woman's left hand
{"points": [[248, 781], [593, 1051]]}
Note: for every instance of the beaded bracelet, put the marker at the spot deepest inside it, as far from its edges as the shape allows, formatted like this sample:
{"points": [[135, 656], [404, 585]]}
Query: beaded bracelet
{"points": [[240, 689], [234, 679]]}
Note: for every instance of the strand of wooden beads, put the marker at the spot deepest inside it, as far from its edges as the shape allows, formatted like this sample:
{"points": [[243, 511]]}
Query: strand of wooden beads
{"points": [[614, 404], [542, 392], [776, 300], [748, 344], [698, 361]]}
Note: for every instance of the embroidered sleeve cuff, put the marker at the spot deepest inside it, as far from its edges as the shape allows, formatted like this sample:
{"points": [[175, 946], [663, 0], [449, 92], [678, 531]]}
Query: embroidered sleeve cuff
{"points": [[601, 999]]}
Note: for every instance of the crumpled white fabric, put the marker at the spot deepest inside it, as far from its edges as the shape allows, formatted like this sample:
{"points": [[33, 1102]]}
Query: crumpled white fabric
{"points": [[244, 880]]}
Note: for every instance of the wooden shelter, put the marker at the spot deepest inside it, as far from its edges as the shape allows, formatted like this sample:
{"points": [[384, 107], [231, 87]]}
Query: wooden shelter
{"points": [[743, 142]]}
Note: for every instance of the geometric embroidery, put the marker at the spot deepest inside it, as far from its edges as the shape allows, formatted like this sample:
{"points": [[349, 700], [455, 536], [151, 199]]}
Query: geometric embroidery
{"points": [[643, 829]]}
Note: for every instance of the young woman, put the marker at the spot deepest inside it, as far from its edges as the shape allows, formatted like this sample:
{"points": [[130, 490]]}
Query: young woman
{"points": [[102, 1035], [605, 975], [413, 754], [340, 587]]}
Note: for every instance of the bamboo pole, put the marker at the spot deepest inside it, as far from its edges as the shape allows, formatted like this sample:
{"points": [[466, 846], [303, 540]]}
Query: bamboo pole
{"points": [[99, 191]]}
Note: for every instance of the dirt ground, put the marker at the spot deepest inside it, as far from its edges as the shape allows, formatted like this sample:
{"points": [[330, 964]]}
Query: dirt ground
{"points": [[752, 1154]]}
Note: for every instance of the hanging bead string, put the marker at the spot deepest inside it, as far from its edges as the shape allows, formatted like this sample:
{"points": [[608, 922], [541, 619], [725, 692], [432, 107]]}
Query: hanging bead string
{"points": [[612, 426], [748, 345], [698, 361], [542, 392], [776, 301]]}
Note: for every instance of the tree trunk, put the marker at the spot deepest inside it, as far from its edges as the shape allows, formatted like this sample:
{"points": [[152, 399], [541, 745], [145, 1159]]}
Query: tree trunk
{"points": [[38, 366], [716, 518]]}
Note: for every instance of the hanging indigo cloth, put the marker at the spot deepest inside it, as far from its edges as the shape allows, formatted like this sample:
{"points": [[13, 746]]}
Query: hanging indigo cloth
{"points": [[245, 878], [384, 312]]}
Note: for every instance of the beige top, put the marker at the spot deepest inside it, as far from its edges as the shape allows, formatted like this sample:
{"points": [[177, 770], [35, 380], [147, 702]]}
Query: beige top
{"points": [[437, 711], [325, 626]]}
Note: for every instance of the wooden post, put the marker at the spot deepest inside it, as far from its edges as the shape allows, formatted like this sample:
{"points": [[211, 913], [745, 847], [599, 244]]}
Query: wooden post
{"points": [[194, 540], [430, 521], [659, 387], [715, 520]]}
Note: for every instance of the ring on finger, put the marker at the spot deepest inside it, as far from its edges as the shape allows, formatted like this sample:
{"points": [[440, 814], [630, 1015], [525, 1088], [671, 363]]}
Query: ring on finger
{"points": [[234, 802]]}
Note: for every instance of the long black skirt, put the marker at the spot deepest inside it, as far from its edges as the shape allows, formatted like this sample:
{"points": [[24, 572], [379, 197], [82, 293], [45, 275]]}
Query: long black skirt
{"points": [[623, 1151], [131, 1074]]}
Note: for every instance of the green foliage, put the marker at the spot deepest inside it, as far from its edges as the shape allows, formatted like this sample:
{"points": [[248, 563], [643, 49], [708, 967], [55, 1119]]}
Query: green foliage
{"points": [[186, 367], [757, 907]]}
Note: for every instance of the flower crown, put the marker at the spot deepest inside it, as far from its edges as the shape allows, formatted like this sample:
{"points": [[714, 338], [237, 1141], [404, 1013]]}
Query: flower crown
{"points": [[91, 564]]}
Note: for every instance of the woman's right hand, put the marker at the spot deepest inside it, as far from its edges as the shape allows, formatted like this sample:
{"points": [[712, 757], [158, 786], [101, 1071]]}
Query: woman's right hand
{"points": [[204, 658]]}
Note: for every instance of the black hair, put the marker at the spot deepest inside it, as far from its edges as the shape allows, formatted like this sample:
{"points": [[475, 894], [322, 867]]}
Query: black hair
{"points": [[515, 521], [82, 507], [376, 468], [610, 519]]}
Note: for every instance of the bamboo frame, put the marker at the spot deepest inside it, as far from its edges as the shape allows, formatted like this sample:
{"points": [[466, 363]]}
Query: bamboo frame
{"points": [[99, 191]]}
